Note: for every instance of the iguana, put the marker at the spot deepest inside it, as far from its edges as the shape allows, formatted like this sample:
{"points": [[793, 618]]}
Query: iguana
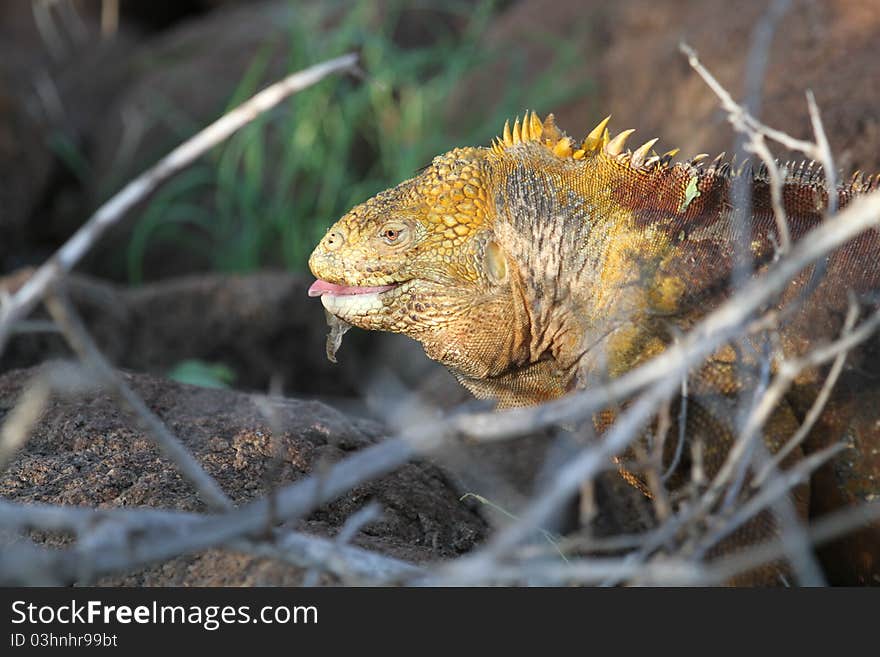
{"points": [[539, 265]]}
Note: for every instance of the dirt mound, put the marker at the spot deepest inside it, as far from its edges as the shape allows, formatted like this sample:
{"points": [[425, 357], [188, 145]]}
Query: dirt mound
{"points": [[86, 452], [630, 54]]}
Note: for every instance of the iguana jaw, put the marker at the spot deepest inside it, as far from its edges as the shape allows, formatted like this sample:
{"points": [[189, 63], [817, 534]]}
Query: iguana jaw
{"points": [[350, 306], [363, 306], [349, 301]]}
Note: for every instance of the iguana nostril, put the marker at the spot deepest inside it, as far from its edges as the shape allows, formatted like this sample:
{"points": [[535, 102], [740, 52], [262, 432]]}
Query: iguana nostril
{"points": [[334, 239]]}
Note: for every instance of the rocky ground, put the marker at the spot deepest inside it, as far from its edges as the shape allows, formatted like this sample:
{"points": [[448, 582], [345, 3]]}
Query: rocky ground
{"points": [[86, 452]]}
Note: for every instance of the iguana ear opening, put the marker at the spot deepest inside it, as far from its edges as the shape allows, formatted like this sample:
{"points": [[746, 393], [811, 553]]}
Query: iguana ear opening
{"points": [[496, 263]]}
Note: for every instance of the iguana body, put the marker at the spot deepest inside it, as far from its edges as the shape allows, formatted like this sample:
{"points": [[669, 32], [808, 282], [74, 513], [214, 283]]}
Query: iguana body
{"points": [[537, 266]]}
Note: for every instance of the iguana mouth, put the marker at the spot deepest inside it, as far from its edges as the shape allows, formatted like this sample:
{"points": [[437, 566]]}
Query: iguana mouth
{"points": [[349, 302], [320, 288]]}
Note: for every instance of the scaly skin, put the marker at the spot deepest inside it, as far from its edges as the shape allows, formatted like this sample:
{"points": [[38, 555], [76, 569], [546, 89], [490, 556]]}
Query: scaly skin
{"points": [[536, 266]]}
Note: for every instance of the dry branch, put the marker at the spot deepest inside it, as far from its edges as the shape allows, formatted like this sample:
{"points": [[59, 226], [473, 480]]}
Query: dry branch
{"points": [[117, 540]]}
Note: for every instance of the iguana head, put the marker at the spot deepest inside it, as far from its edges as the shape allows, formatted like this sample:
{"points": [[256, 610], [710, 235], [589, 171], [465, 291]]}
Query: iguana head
{"points": [[420, 259]]}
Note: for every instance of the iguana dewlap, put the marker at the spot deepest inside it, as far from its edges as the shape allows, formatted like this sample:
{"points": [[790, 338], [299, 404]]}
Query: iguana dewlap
{"points": [[539, 265]]}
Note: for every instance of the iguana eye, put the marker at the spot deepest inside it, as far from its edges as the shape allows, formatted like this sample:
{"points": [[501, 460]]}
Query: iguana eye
{"points": [[393, 233]]}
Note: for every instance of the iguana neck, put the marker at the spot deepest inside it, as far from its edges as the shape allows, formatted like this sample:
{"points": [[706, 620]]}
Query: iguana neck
{"points": [[574, 279]]}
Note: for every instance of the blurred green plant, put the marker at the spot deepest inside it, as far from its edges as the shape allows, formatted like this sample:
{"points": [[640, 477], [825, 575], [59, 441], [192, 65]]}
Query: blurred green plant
{"points": [[199, 373], [278, 184]]}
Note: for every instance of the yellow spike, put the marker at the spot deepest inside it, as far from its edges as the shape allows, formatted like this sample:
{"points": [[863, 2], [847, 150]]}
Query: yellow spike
{"points": [[606, 137], [517, 137], [551, 132], [699, 157], [525, 133], [508, 140], [671, 153], [579, 154], [536, 127], [592, 140], [641, 152], [563, 147], [615, 146]]}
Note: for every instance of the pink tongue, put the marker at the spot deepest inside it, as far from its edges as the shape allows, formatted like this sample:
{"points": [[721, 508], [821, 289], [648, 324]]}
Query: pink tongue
{"points": [[320, 287]]}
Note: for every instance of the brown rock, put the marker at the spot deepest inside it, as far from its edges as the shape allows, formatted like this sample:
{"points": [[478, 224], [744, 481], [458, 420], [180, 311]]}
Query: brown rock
{"points": [[86, 452]]}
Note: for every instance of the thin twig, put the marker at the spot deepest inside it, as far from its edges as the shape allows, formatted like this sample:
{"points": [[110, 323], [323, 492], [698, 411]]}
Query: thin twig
{"points": [[353, 524], [682, 429], [549, 572], [109, 18], [777, 488], [823, 153], [821, 399]]}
